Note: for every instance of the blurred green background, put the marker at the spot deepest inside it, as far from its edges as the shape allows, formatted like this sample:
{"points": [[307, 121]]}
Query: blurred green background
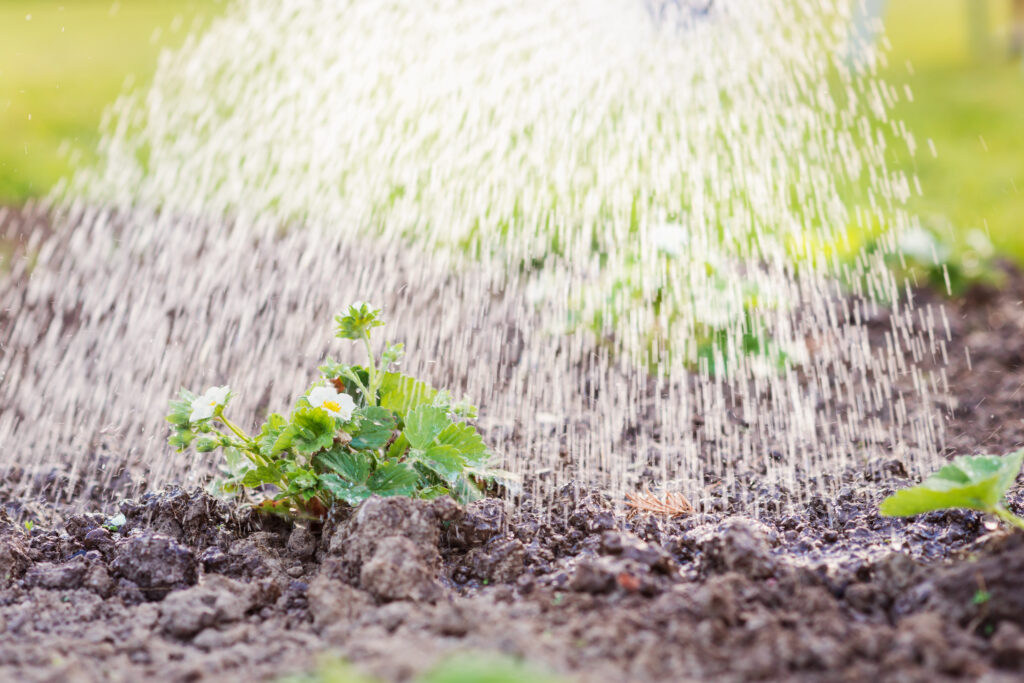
{"points": [[63, 61]]}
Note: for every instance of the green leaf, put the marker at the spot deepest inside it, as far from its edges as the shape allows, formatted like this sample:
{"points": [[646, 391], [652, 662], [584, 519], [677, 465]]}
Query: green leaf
{"points": [[391, 355], [376, 427], [393, 479], [465, 439], [343, 490], [264, 474], [432, 492], [445, 461], [423, 424], [351, 466], [463, 409], [181, 438], [311, 430], [302, 488], [358, 320], [495, 477], [401, 393], [973, 482], [301, 478], [270, 433], [234, 461], [398, 448], [332, 369], [181, 409]]}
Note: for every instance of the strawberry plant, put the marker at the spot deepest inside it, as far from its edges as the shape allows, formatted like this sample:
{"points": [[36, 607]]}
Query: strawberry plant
{"points": [[978, 482], [356, 432]]}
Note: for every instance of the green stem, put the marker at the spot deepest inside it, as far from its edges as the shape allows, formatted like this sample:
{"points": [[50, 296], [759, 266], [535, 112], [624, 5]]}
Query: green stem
{"points": [[1002, 513], [248, 445], [362, 387], [371, 399], [236, 429], [254, 456]]}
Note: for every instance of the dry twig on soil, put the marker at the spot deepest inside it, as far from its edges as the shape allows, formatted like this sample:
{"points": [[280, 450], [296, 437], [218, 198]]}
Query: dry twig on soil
{"points": [[672, 505]]}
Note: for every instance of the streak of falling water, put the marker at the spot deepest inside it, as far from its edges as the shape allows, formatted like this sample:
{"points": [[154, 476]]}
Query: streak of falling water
{"points": [[544, 197]]}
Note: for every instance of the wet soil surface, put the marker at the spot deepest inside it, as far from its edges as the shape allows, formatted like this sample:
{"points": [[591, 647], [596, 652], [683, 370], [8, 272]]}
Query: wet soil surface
{"points": [[185, 588]]}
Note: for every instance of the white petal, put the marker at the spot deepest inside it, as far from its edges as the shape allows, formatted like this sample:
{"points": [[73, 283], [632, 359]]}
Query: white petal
{"points": [[218, 395], [201, 410], [318, 395], [347, 406]]}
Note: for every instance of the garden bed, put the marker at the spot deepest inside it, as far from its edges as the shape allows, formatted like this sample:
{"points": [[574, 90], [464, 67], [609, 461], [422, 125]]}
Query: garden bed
{"points": [[184, 588]]}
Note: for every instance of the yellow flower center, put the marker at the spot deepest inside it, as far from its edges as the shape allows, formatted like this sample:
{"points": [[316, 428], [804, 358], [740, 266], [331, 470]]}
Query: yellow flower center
{"points": [[333, 406]]}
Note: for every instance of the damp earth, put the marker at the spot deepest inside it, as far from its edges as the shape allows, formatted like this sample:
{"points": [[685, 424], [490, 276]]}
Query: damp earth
{"points": [[186, 588]]}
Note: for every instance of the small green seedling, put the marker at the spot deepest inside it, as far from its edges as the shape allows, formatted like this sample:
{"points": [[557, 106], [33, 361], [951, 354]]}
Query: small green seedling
{"points": [[356, 432], [115, 523], [29, 525], [978, 482]]}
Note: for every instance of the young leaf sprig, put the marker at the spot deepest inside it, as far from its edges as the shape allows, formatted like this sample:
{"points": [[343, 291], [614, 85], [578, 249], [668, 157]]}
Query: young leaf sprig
{"points": [[356, 432], [978, 482]]}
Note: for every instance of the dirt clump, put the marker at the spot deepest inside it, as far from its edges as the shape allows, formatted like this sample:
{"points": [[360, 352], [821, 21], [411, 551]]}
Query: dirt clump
{"points": [[14, 559], [389, 548], [216, 602]]}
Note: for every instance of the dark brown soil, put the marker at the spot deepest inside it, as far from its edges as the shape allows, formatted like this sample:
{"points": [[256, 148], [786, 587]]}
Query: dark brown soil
{"points": [[188, 589]]}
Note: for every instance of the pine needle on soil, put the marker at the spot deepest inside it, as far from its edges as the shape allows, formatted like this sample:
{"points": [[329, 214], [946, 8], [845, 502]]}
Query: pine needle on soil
{"points": [[672, 505]]}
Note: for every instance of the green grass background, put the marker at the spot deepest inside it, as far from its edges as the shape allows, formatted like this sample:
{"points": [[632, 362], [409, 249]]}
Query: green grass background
{"points": [[63, 61], [969, 100]]}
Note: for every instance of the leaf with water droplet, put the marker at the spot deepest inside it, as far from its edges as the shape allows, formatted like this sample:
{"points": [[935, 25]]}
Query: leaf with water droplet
{"points": [[311, 430], [264, 474], [269, 434], [344, 490], [402, 394], [375, 428], [464, 439], [424, 424], [445, 461], [351, 466], [393, 479], [181, 409]]}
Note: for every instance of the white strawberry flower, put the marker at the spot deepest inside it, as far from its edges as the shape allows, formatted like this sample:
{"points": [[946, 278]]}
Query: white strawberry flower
{"points": [[336, 404], [203, 407]]}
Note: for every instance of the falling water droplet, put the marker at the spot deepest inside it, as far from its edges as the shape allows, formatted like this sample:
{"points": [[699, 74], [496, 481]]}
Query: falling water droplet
{"points": [[621, 232]]}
